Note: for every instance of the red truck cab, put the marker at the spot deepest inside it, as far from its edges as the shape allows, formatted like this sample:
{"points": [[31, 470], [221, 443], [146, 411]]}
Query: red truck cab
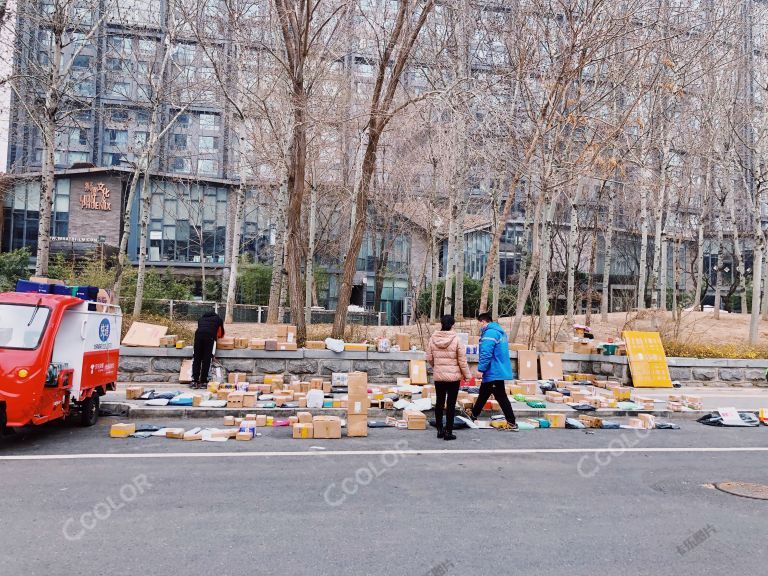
{"points": [[58, 354]]}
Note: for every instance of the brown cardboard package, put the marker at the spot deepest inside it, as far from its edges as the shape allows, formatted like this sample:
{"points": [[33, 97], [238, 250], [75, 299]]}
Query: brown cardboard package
{"points": [[141, 334], [176, 433], [225, 343], [287, 346], [133, 392], [326, 427], [556, 419], [355, 347], [303, 431], [403, 341], [261, 420], [256, 344], [235, 400], [418, 372], [270, 345], [249, 399], [236, 377], [304, 417], [591, 421], [357, 382], [515, 347], [416, 420], [185, 374], [241, 343], [551, 366], [527, 368], [357, 426], [121, 430], [314, 345], [581, 348]]}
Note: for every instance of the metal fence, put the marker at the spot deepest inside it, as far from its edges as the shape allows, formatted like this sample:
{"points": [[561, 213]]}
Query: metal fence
{"points": [[191, 310]]}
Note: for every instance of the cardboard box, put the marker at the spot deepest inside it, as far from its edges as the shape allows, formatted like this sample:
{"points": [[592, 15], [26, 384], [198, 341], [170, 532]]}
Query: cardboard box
{"points": [[581, 348], [270, 345], [121, 430], [241, 343], [176, 433], [304, 417], [303, 431], [45, 280], [403, 341], [355, 347], [556, 419], [236, 377], [418, 372], [621, 393], [357, 382], [249, 399], [649, 422], [516, 347], [274, 379], [591, 421], [244, 436], [314, 345], [229, 420], [225, 343], [326, 427], [261, 420], [141, 334], [357, 426], [415, 420], [133, 392], [527, 368], [256, 344], [287, 346], [551, 366], [235, 400], [555, 397]]}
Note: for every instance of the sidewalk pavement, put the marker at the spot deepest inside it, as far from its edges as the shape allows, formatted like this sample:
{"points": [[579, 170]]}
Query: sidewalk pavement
{"points": [[745, 399]]}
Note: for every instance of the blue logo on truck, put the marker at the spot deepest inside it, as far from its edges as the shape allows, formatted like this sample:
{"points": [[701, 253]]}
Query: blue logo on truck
{"points": [[104, 330]]}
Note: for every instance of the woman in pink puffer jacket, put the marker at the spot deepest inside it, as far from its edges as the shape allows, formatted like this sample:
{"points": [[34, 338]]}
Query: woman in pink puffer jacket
{"points": [[448, 359]]}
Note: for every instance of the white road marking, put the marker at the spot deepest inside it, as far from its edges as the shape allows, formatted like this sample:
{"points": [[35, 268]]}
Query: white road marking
{"points": [[511, 451]]}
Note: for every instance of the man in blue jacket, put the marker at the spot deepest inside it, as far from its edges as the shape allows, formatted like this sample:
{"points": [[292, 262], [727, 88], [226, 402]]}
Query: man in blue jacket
{"points": [[495, 367]]}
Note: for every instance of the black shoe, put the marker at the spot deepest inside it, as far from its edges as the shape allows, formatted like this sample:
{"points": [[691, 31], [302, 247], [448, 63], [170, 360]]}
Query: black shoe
{"points": [[449, 436], [440, 432]]}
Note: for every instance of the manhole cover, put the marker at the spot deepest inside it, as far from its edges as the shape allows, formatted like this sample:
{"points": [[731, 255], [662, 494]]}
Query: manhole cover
{"points": [[745, 489]]}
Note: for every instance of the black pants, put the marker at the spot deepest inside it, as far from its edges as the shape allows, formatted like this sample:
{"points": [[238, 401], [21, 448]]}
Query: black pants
{"points": [[201, 361], [447, 392], [495, 387]]}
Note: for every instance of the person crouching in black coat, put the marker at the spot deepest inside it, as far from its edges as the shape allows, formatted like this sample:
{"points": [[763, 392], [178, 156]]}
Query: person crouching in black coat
{"points": [[210, 326]]}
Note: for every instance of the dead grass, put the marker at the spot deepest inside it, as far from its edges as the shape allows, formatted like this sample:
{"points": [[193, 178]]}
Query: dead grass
{"points": [[180, 329], [705, 350]]}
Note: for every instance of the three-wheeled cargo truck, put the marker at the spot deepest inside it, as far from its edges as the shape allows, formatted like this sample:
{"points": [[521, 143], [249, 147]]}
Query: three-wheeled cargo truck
{"points": [[58, 355]]}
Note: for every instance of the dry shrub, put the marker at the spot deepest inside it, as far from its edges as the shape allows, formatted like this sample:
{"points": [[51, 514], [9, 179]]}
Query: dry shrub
{"points": [[736, 350]]}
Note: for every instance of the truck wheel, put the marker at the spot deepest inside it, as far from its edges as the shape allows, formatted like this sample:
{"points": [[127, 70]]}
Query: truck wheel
{"points": [[3, 420], [89, 410]]}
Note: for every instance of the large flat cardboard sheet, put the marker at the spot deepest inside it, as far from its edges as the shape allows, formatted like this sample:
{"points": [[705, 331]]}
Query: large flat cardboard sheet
{"points": [[185, 374], [551, 366], [140, 334], [527, 366], [647, 360], [418, 372]]}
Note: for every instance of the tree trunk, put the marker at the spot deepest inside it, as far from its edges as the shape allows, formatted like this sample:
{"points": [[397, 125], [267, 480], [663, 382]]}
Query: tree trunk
{"points": [[309, 266], [719, 269], [234, 251], [145, 203], [661, 302], [572, 264], [122, 253], [546, 226], [525, 290], [738, 255], [451, 258], [658, 243], [608, 235], [458, 308], [757, 274], [764, 301], [643, 266], [47, 192], [435, 275], [278, 259]]}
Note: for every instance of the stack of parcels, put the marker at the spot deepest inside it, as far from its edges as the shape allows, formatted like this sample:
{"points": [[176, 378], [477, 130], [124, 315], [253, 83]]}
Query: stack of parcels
{"points": [[357, 404]]}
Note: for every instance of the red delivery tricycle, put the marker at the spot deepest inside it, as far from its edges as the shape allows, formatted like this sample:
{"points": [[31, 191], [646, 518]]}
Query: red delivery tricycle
{"points": [[58, 355]]}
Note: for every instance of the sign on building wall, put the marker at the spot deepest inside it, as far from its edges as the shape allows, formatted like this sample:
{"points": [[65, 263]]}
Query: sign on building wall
{"points": [[647, 360], [95, 197]]}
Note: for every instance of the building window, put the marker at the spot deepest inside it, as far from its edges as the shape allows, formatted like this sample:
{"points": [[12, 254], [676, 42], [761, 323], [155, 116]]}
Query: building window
{"points": [[207, 166], [119, 115], [112, 159], [85, 88], [209, 121], [119, 44], [78, 137], [147, 45], [179, 142], [141, 139], [78, 157], [81, 61], [116, 137], [142, 117], [209, 143], [182, 121], [115, 64], [183, 165], [120, 90], [184, 53]]}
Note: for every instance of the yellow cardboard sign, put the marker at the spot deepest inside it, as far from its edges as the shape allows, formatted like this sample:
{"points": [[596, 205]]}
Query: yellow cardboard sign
{"points": [[647, 360]]}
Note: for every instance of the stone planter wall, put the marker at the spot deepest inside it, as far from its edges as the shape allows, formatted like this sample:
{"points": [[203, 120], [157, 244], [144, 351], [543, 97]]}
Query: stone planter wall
{"points": [[163, 365]]}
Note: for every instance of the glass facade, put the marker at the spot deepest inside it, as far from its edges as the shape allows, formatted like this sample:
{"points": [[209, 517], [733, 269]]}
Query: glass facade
{"points": [[21, 214]]}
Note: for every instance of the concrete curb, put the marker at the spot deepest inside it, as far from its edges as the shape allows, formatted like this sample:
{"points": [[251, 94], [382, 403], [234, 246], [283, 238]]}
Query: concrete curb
{"points": [[189, 413]]}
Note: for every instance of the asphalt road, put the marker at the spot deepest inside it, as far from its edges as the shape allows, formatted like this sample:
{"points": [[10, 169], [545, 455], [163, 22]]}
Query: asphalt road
{"points": [[543, 502]]}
